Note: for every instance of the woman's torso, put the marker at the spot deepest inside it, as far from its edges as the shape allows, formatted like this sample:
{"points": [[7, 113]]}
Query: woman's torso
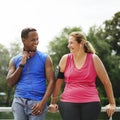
{"points": [[80, 84]]}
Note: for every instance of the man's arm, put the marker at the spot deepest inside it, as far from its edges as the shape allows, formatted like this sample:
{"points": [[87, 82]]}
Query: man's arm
{"points": [[50, 78], [13, 74], [37, 108]]}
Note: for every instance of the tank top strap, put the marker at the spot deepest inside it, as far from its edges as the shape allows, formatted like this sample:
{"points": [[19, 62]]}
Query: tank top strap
{"points": [[69, 60]]}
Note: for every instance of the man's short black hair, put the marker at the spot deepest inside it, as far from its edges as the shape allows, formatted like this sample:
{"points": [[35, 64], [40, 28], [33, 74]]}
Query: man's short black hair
{"points": [[25, 31]]}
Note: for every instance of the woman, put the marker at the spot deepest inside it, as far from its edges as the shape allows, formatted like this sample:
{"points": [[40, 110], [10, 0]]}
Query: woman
{"points": [[79, 69]]}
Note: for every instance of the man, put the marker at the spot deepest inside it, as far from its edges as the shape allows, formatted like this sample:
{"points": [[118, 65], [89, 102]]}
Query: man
{"points": [[29, 71]]}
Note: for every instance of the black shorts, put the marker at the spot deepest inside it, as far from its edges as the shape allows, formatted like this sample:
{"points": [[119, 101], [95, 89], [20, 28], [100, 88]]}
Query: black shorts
{"points": [[79, 111]]}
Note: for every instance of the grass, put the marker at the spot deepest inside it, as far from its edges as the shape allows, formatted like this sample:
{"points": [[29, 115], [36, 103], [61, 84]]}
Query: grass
{"points": [[53, 116], [50, 116], [56, 116]]}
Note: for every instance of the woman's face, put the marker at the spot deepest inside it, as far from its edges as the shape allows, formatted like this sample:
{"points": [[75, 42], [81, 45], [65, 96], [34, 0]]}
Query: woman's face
{"points": [[73, 45]]}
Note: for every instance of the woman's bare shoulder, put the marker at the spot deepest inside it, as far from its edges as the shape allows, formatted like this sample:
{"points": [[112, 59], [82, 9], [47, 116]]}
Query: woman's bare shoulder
{"points": [[63, 61]]}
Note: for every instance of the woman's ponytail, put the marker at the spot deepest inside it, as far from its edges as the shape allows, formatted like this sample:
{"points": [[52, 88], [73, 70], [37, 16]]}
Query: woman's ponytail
{"points": [[88, 47]]}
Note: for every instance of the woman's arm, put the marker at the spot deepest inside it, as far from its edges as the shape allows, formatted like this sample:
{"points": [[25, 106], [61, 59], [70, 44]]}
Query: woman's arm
{"points": [[53, 106], [104, 78]]}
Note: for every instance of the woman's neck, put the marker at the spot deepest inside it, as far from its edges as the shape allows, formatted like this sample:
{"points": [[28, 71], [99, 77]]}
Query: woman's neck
{"points": [[78, 55], [79, 59]]}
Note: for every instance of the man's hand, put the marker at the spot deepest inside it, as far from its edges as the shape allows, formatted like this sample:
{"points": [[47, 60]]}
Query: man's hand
{"points": [[37, 108], [25, 57]]}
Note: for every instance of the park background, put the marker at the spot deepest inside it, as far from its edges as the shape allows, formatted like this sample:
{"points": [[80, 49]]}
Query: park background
{"points": [[90, 17]]}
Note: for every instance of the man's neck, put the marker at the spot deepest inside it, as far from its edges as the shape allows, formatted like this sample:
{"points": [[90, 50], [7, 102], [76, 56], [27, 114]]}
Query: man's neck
{"points": [[31, 53]]}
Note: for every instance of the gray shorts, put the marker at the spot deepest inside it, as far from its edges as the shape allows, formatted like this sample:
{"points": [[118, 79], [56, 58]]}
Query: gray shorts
{"points": [[22, 110]]}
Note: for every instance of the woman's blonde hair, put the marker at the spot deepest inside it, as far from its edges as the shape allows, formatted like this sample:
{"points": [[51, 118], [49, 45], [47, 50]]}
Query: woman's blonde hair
{"points": [[79, 36]]}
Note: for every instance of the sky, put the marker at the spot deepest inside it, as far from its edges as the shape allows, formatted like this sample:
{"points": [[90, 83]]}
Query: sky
{"points": [[50, 17]]}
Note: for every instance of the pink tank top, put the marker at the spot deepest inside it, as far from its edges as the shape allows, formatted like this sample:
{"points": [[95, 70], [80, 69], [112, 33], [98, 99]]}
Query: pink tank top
{"points": [[80, 84]]}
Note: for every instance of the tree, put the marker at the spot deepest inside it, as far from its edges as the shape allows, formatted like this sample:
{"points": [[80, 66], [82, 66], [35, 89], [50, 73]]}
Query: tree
{"points": [[4, 58], [15, 48], [58, 46], [6, 55], [97, 38], [112, 35]]}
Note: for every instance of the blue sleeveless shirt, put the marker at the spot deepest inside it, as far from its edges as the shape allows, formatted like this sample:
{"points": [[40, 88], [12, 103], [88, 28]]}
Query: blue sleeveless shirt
{"points": [[32, 82]]}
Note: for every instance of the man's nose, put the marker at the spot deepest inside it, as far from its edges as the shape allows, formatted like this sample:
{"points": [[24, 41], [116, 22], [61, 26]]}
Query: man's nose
{"points": [[36, 42]]}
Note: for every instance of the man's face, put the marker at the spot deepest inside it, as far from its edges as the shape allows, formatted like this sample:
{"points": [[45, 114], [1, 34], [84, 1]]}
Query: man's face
{"points": [[31, 42]]}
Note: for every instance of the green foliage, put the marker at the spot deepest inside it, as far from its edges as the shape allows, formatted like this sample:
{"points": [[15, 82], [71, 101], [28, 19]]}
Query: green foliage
{"points": [[112, 36], [53, 116], [49, 116], [58, 46], [15, 48], [112, 32], [4, 59], [114, 71], [97, 38], [6, 115], [4, 63], [57, 116]]}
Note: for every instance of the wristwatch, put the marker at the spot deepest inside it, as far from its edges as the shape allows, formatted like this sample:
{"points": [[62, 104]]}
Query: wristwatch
{"points": [[21, 65]]}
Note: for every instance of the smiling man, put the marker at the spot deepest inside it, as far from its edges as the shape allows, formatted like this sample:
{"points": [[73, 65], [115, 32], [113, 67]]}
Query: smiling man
{"points": [[29, 71]]}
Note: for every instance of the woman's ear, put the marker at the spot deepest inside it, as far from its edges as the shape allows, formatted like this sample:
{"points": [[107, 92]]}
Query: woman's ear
{"points": [[82, 42]]}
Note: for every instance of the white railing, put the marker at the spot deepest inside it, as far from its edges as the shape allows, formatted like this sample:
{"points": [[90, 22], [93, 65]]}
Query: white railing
{"points": [[116, 110], [8, 109], [5, 109], [104, 110]]}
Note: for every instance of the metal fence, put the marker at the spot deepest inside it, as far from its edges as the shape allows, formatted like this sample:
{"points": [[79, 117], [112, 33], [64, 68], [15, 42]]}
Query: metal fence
{"points": [[8, 109]]}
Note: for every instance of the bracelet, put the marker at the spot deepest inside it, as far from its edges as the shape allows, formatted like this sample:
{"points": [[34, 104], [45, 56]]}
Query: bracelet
{"points": [[21, 65]]}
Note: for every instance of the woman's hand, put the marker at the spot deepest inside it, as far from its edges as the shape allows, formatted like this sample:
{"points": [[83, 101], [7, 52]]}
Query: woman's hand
{"points": [[53, 108], [110, 109]]}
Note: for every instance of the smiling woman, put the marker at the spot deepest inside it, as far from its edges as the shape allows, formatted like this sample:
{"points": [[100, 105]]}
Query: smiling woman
{"points": [[81, 67]]}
